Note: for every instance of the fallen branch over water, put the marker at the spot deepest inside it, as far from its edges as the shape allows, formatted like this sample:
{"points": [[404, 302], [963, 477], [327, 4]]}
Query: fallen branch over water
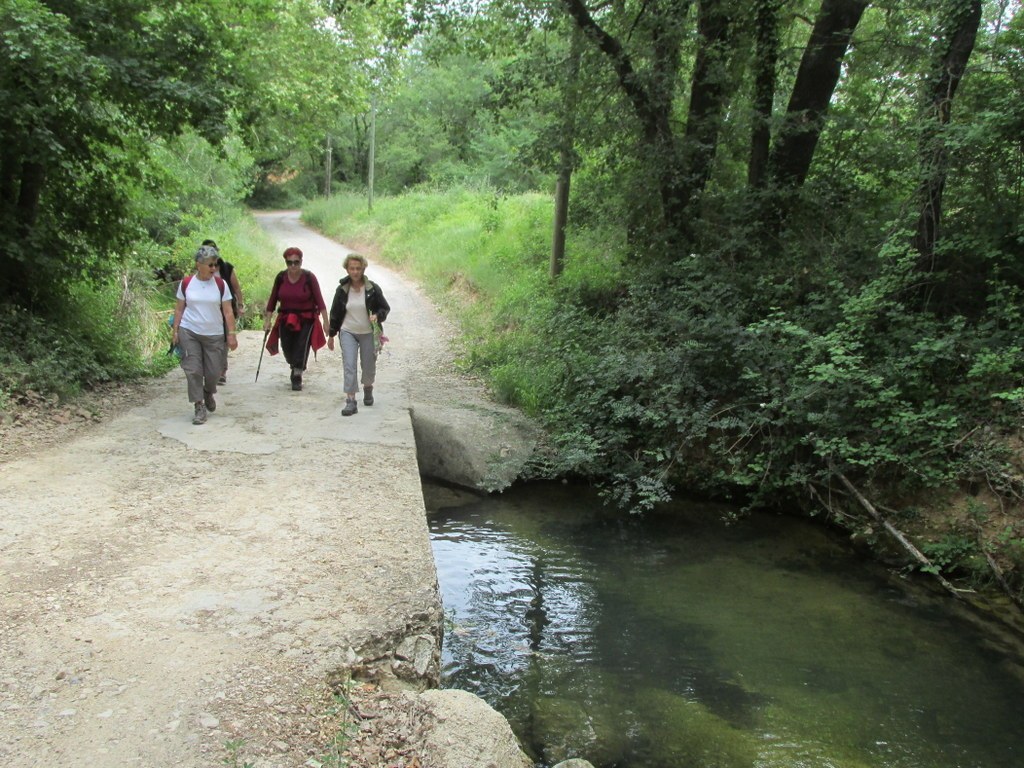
{"points": [[917, 554]]}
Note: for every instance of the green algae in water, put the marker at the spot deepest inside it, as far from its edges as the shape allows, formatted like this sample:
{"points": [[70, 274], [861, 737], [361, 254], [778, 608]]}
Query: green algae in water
{"points": [[680, 641]]}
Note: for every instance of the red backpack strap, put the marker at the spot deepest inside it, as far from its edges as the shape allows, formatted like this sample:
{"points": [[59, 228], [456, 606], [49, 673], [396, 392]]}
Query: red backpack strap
{"points": [[188, 278]]}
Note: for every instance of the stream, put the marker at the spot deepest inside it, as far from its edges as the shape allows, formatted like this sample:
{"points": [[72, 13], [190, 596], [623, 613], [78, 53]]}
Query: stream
{"points": [[677, 640]]}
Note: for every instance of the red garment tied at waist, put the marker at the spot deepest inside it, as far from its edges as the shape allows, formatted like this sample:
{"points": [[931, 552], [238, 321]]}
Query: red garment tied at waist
{"points": [[293, 322]]}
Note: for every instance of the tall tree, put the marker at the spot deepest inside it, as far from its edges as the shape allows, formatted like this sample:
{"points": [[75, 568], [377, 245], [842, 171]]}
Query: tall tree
{"points": [[652, 95], [794, 145], [766, 57], [955, 44], [83, 85], [87, 86], [650, 79]]}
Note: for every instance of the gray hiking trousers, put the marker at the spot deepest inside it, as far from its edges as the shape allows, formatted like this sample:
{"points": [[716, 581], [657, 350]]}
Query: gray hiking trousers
{"points": [[202, 360], [357, 346]]}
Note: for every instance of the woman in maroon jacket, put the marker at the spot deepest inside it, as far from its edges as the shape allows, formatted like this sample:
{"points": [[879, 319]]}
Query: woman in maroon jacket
{"points": [[297, 292]]}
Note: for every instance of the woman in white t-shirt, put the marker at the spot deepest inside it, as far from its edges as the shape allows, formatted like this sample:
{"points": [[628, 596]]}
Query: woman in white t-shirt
{"points": [[202, 313]]}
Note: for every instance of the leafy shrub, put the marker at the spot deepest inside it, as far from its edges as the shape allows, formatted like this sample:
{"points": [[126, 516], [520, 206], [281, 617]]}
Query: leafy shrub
{"points": [[951, 553], [96, 338]]}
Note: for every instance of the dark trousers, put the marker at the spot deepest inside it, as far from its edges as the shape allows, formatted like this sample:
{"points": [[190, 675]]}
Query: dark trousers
{"points": [[295, 345]]}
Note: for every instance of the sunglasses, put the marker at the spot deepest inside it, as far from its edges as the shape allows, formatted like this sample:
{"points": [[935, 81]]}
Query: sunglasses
{"points": [[293, 262]]}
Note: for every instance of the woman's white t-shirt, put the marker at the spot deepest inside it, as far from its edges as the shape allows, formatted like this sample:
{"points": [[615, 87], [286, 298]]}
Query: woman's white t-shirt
{"points": [[203, 314], [357, 319]]}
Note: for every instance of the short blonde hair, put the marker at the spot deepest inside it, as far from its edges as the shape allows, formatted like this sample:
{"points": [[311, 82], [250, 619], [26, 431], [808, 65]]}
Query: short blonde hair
{"points": [[356, 257]]}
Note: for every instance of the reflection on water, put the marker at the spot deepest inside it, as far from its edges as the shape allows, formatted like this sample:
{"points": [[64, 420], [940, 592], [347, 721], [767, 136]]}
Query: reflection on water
{"points": [[678, 642]]}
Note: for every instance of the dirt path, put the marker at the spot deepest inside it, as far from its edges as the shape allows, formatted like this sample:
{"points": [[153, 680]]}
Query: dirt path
{"points": [[168, 590]]}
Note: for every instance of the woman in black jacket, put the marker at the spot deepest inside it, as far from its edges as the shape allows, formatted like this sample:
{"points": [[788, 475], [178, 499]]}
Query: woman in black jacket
{"points": [[358, 312]]}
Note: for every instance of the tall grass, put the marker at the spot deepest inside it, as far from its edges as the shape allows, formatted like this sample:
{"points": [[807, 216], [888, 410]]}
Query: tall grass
{"points": [[483, 257]]}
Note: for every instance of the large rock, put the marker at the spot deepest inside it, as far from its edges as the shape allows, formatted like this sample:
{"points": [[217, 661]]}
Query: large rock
{"points": [[466, 733], [472, 442]]}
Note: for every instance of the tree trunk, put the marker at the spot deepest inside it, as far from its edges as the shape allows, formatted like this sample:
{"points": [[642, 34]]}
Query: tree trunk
{"points": [[816, 81], [766, 57], [33, 175], [708, 93], [964, 19], [566, 152], [10, 164]]}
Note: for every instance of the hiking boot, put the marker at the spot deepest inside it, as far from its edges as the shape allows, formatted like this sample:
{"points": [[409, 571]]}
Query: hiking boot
{"points": [[296, 380], [211, 404], [200, 417], [367, 395], [350, 407], [223, 379]]}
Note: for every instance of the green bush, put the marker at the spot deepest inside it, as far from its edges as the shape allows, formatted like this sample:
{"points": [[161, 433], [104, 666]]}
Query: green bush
{"points": [[97, 335], [951, 554], [115, 329]]}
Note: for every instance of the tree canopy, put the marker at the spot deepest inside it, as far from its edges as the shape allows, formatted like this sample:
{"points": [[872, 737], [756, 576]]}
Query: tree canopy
{"points": [[90, 88]]}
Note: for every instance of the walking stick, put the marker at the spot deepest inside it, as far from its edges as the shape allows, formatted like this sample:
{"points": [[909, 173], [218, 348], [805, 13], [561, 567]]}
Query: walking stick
{"points": [[263, 348]]}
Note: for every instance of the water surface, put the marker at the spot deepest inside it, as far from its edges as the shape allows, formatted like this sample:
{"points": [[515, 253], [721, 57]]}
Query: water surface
{"points": [[679, 641]]}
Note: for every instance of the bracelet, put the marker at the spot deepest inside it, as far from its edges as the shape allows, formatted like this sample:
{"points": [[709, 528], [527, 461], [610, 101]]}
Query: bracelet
{"points": [[232, 333]]}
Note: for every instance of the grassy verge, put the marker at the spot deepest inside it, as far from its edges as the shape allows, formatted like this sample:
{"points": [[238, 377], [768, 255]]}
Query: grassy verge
{"points": [[483, 257], [117, 330]]}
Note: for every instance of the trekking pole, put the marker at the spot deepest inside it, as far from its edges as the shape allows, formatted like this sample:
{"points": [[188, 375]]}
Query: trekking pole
{"points": [[263, 348]]}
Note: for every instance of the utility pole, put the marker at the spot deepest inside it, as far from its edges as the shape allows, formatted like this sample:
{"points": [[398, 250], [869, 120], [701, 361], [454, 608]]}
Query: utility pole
{"points": [[328, 161], [373, 149]]}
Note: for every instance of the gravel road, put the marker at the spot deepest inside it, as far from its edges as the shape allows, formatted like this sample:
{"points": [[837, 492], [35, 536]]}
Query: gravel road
{"points": [[179, 595]]}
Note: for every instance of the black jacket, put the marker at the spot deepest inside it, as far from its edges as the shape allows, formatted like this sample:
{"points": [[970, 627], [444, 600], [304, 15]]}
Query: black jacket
{"points": [[376, 304]]}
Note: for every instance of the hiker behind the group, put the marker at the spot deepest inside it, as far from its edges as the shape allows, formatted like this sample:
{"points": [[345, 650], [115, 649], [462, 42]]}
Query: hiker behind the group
{"points": [[358, 311], [297, 292], [202, 313], [226, 270]]}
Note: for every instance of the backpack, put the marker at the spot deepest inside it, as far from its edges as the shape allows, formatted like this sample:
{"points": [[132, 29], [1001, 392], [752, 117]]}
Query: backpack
{"points": [[226, 269], [305, 281], [188, 278]]}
